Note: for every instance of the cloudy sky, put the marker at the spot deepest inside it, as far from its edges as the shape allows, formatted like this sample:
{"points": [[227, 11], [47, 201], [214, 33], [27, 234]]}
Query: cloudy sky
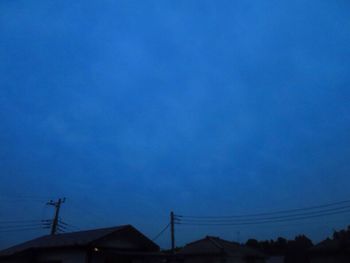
{"points": [[131, 109]]}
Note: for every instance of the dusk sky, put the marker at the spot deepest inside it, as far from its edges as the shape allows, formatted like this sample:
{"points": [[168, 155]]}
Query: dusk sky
{"points": [[131, 109]]}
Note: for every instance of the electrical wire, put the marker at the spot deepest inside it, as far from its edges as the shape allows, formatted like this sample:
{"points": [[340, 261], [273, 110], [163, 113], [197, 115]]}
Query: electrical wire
{"points": [[272, 213], [197, 223], [67, 225], [20, 229], [256, 219], [19, 226], [63, 227], [19, 221], [60, 229], [161, 232], [62, 222]]}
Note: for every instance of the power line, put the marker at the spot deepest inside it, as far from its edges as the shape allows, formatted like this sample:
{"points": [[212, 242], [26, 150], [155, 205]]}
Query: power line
{"points": [[74, 228], [161, 232], [68, 226], [62, 226], [61, 229], [60, 221], [198, 223], [56, 224], [271, 213], [19, 221], [257, 219], [23, 224], [65, 223], [20, 229]]}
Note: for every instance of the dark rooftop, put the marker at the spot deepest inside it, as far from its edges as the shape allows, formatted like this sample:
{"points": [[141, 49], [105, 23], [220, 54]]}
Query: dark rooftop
{"points": [[216, 245], [73, 239]]}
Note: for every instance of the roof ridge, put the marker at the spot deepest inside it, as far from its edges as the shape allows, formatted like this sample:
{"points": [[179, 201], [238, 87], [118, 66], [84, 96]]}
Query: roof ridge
{"points": [[91, 230]]}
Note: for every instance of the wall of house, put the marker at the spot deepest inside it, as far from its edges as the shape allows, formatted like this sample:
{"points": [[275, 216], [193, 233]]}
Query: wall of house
{"points": [[330, 259], [127, 241], [120, 244], [237, 260], [275, 259], [62, 256], [256, 260], [150, 260], [231, 259], [12, 260], [204, 259], [101, 258]]}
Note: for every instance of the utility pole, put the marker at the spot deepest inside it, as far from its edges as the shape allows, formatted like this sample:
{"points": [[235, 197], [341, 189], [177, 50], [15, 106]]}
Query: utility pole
{"points": [[57, 206], [172, 231]]}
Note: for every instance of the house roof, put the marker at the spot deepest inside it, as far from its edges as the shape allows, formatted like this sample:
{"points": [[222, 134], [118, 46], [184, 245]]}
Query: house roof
{"points": [[214, 246], [76, 239]]}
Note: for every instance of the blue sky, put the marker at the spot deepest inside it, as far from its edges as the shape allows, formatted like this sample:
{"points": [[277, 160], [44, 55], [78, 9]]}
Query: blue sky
{"points": [[131, 109]]}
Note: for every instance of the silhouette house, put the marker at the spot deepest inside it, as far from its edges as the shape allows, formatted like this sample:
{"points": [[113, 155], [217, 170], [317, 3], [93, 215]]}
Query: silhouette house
{"points": [[214, 249], [117, 244]]}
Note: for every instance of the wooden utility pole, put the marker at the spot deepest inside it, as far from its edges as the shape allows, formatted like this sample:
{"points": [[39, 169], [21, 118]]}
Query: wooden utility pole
{"points": [[57, 206], [172, 231]]}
